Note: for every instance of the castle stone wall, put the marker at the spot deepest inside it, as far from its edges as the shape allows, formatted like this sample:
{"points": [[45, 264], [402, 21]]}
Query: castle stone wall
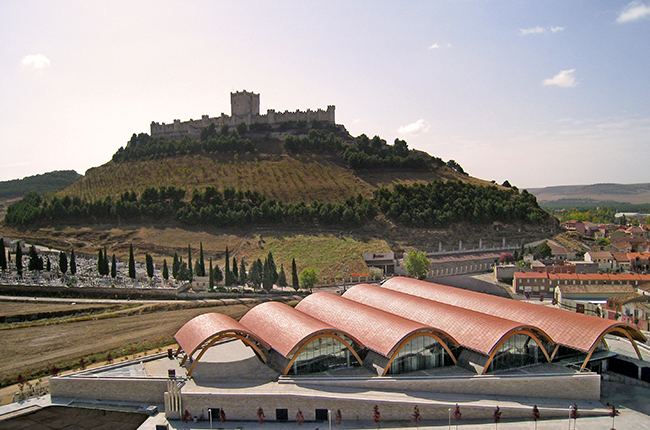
{"points": [[245, 107]]}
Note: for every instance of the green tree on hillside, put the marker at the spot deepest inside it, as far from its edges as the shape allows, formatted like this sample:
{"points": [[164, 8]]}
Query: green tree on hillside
{"points": [[35, 261], [308, 278], [63, 262], [176, 265], [100, 262], [190, 275], [107, 270], [417, 264], [243, 277], [255, 274], [3, 255], [295, 282], [149, 264], [165, 270], [211, 276], [235, 270], [73, 263], [227, 273], [282, 277], [19, 259], [218, 274], [201, 271], [113, 267], [131, 262]]}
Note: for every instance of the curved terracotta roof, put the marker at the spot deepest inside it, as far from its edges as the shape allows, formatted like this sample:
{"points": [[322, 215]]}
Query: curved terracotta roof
{"points": [[578, 331], [474, 330], [283, 327], [380, 331], [201, 329]]}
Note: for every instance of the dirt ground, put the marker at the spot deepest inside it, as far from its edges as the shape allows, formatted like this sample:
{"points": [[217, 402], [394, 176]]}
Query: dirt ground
{"points": [[45, 345]]}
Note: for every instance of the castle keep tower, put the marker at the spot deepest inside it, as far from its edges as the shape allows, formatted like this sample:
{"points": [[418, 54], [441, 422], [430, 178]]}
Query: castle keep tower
{"points": [[243, 103]]}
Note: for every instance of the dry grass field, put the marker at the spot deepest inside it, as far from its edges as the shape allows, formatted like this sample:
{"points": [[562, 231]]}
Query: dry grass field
{"points": [[34, 349]]}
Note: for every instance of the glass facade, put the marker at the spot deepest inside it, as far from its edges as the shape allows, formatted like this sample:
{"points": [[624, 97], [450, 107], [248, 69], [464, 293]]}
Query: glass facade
{"points": [[322, 354], [419, 353], [517, 351]]}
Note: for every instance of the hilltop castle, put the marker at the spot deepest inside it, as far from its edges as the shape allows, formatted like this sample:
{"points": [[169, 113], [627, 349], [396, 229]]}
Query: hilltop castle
{"points": [[245, 107]]}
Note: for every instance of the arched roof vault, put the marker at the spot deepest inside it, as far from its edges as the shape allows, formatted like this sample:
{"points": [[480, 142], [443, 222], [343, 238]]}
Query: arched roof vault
{"points": [[207, 330], [377, 330], [574, 330]]}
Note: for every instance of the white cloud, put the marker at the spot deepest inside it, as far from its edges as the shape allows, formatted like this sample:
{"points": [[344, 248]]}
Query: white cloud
{"points": [[37, 61], [415, 128], [564, 79], [539, 30], [436, 46], [535, 30], [633, 11]]}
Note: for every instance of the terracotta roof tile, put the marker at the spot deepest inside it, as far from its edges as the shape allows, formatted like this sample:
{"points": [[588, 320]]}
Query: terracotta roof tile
{"points": [[574, 330], [283, 327], [474, 330], [202, 328], [380, 331]]}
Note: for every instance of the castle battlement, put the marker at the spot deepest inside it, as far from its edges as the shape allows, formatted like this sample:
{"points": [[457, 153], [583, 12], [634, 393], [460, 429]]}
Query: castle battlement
{"points": [[245, 107]]}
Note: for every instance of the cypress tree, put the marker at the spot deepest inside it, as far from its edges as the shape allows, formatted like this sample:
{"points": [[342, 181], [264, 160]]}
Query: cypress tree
{"points": [[106, 263], [242, 272], [211, 279], [235, 270], [100, 262], [3, 255], [176, 265], [295, 281], [149, 264], [227, 273], [131, 262], [19, 259], [33, 259], [218, 274], [201, 262], [272, 268], [63, 262], [190, 275], [165, 271], [73, 263], [113, 267], [282, 277]]}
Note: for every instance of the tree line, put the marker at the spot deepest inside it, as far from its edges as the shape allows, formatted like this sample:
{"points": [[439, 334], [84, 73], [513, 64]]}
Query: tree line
{"points": [[441, 203], [437, 203]]}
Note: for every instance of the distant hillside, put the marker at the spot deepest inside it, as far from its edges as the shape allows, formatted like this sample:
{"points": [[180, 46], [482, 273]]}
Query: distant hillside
{"points": [[42, 184], [596, 194]]}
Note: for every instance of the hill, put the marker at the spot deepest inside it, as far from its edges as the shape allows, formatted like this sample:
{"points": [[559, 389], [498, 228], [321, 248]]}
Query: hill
{"points": [[44, 183], [258, 192], [593, 195]]}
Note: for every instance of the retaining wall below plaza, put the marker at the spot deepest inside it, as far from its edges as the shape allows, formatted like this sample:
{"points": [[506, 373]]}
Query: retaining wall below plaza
{"points": [[585, 385]]}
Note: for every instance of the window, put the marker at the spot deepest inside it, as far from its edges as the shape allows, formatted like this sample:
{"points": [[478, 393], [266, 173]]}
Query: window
{"points": [[282, 415], [321, 414]]}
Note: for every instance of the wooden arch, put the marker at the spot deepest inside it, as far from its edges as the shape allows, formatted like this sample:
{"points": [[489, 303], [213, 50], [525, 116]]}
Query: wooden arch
{"points": [[231, 334], [618, 330]]}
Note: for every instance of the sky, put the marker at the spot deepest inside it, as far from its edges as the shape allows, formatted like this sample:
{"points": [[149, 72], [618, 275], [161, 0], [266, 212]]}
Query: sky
{"points": [[536, 92]]}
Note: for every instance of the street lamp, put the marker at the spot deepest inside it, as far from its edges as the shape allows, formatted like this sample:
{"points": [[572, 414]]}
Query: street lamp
{"points": [[570, 409], [329, 418], [449, 410]]}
